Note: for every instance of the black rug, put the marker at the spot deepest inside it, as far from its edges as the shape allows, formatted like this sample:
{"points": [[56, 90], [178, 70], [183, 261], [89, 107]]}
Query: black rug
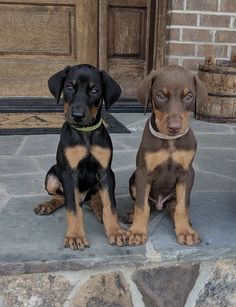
{"points": [[41, 116]]}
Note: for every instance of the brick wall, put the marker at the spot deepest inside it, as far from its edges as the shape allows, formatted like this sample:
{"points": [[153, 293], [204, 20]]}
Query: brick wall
{"points": [[199, 28]]}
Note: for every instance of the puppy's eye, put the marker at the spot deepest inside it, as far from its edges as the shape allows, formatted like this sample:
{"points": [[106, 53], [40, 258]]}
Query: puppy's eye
{"points": [[188, 98], [69, 87], [161, 97], [94, 91]]}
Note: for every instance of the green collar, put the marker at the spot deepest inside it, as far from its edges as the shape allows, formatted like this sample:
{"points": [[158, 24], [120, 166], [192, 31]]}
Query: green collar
{"points": [[88, 129]]}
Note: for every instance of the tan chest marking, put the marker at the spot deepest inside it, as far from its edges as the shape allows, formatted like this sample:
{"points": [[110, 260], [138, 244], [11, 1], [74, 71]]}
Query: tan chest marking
{"points": [[102, 155], [75, 154], [155, 159], [183, 157]]}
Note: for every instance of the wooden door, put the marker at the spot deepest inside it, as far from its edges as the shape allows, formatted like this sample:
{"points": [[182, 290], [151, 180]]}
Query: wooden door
{"points": [[39, 37], [129, 35]]}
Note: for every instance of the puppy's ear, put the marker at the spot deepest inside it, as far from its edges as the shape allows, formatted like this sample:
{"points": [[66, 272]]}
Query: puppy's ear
{"points": [[201, 94], [144, 90], [112, 90], [56, 82]]}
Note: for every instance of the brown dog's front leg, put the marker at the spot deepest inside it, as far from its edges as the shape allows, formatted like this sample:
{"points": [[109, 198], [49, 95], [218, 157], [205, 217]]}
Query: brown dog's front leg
{"points": [[184, 232], [137, 233]]}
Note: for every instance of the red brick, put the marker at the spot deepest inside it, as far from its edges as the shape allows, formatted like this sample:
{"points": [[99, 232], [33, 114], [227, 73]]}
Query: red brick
{"points": [[216, 50], [228, 6], [192, 64], [214, 20], [197, 35], [202, 5], [225, 36], [183, 19], [173, 34], [180, 49], [171, 61], [176, 4]]}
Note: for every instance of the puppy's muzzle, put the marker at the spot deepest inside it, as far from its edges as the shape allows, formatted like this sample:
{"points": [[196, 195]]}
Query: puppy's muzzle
{"points": [[78, 116]]}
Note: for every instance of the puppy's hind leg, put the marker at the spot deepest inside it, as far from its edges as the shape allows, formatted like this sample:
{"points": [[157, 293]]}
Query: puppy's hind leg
{"points": [[54, 188], [127, 218], [96, 205]]}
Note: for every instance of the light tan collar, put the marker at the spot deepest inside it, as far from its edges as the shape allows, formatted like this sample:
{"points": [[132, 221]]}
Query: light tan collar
{"points": [[165, 136]]}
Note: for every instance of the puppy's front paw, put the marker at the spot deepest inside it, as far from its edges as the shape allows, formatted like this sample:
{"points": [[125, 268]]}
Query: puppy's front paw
{"points": [[136, 238], [188, 237], [44, 209], [117, 237], [76, 242]]}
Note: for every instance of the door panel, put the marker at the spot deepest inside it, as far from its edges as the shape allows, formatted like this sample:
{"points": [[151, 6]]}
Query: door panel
{"points": [[124, 41], [39, 37], [42, 37]]}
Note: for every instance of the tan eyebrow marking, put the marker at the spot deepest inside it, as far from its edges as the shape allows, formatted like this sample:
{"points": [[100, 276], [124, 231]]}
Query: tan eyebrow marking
{"points": [[185, 91], [165, 91]]}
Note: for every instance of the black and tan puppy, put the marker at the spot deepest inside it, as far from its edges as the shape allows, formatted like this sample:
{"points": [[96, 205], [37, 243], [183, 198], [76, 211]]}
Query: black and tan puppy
{"points": [[84, 154], [164, 160]]}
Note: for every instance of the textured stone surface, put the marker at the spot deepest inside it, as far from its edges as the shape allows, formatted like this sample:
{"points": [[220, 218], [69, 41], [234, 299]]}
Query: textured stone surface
{"points": [[16, 165], [23, 184], [220, 290], [33, 243], [166, 286], [41, 290], [216, 140], [10, 144], [40, 145], [213, 216], [107, 290], [27, 237], [222, 162]]}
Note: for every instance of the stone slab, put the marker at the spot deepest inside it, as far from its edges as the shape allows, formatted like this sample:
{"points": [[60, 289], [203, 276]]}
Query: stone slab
{"points": [[29, 238], [16, 165], [40, 145], [200, 126], [220, 288], [108, 290], [41, 290], [207, 181], [161, 286], [220, 161], [216, 140], [213, 216], [10, 144], [23, 184]]}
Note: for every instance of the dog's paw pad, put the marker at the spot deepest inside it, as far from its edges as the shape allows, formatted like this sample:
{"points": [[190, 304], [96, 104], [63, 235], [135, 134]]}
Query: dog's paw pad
{"points": [[43, 209], [135, 239], [189, 238], [117, 237], [76, 242]]}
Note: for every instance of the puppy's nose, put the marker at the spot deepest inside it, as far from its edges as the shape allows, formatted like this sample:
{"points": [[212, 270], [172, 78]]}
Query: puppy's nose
{"points": [[78, 116], [174, 127]]}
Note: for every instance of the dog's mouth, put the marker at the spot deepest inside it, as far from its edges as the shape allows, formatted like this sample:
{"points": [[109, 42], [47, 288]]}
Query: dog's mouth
{"points": [[85, 122]]}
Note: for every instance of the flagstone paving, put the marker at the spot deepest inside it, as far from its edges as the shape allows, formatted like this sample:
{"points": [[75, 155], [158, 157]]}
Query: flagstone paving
{"points": [[31, 243]]}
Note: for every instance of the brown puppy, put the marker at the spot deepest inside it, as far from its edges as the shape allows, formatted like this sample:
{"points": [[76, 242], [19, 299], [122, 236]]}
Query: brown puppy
{"points": [[164, 160]]}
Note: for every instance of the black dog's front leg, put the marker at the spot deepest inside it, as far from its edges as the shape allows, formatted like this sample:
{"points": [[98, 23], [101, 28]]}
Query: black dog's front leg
{"points": [[75, 236], [115, 234]]}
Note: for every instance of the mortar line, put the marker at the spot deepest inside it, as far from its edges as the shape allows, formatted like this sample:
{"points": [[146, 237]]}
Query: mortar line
{"points": [[204, 274], [136, 295], [21, 145]]}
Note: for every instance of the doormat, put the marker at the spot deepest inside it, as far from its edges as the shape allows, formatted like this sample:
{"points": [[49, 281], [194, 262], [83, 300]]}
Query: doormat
{"points": [[28, 115]]}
